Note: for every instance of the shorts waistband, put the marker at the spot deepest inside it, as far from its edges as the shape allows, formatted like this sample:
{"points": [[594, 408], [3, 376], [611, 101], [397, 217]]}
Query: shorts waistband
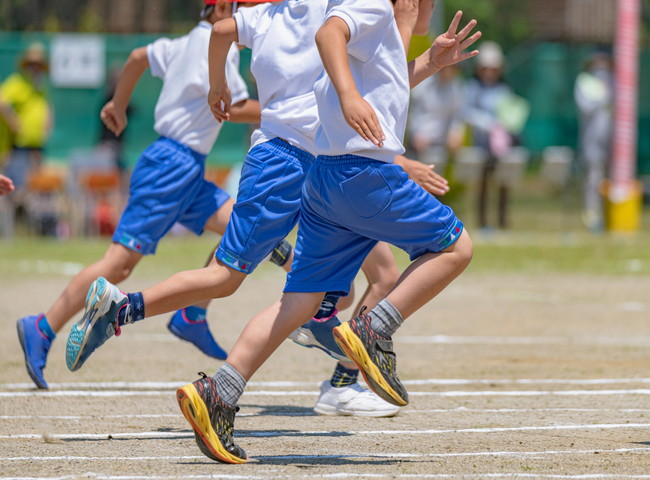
{"points": [[181, 147], [345, 160], [282, 146]]}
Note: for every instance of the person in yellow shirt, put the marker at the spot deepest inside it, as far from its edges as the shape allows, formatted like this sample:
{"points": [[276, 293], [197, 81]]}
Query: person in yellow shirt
{"points": [[25, 109]]}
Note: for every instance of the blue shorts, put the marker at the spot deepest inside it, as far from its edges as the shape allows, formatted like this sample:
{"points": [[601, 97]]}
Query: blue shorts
{"points": [[268, 203], [167, 186], [349, 204]]}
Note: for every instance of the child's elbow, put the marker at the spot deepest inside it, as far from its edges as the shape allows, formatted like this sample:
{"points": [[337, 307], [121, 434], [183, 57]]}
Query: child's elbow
{"points": [[320, 36], [139, 56], [221, 28]]}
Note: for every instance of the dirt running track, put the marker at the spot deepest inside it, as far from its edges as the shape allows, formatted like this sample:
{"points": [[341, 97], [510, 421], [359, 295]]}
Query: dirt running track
{"points": [[510, 376]]}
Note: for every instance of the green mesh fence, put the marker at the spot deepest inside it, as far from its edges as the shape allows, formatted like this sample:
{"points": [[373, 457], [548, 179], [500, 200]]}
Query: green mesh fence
{"points": [[542, 73]]}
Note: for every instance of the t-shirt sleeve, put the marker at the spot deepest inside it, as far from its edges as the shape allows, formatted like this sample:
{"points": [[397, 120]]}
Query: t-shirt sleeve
{"points": [[367, 21], [158, 54], [237, 85], [246, 20]]}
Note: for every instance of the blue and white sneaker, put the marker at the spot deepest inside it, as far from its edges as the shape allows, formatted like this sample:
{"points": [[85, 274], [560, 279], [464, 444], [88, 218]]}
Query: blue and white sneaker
{"points": [[317, 333], [35, 347], [98, 324], [196, 332]]}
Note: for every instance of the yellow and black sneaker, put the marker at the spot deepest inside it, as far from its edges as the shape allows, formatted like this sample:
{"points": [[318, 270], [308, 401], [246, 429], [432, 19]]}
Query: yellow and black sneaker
{"points": [[211, 419], [374, 356]]}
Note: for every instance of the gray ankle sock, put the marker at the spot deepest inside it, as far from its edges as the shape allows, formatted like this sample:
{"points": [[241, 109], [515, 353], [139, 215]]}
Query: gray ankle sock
{"points": [[230, 384], [385, 319]]}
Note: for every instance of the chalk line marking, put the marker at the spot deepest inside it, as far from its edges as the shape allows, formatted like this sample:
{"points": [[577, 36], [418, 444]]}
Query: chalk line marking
{"points": [[329, 456], [288, 384], [95, 476], [262, 434], [311, 414], [300, 393]]}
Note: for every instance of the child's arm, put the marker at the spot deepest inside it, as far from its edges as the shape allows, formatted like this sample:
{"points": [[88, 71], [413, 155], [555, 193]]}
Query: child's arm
{"points": [[114, 112], [448, 49], [332, 39], [246, 111], [406, 16], [223, 34]]}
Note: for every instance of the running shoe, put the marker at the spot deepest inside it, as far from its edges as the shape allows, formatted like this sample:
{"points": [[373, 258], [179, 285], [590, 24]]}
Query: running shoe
{"points": [[35, 346], [98, 324], [196, 332], [352, 400], [212, 420], [317, 333], [374, 356]]}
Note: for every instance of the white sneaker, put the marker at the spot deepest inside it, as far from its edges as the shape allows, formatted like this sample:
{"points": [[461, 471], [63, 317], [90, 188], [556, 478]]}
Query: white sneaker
{"points": [[352, 400]]}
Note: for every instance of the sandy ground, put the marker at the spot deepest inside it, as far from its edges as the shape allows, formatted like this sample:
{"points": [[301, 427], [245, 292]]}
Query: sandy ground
{"points": [[510, 376]]}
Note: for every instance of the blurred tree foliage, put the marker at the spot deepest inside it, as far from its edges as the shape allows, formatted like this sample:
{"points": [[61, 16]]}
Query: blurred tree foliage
{"points": [[503, 21]]}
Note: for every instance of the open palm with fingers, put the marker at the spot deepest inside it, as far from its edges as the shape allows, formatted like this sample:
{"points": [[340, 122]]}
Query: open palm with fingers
{"points": [[450, 47]]}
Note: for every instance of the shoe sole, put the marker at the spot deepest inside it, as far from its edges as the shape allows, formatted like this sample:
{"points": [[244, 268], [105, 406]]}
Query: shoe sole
{"points": [[307, 340], [97, 289], [196, 413], [30, 370], [354, 349], [330, 411]]}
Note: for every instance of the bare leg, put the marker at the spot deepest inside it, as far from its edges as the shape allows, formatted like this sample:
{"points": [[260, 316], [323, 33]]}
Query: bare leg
{"points": [[191, 287], [269, 328], [217, 223], [429, 275], [380, 269], [382, 273], [116, 265]]}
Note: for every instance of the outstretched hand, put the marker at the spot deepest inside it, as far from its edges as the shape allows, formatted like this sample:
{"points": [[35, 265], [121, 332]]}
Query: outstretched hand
{"points": [[450, 47], [423, 175]]}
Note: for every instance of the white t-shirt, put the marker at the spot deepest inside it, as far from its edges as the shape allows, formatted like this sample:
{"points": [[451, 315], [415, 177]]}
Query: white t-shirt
{"points": [[286, 65], [182, 112], [378, 65]]}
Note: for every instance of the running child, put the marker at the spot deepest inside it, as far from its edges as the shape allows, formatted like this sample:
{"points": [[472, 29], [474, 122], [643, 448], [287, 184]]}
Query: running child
{"points": [[269, 193], [167, 184], [353, 197]]}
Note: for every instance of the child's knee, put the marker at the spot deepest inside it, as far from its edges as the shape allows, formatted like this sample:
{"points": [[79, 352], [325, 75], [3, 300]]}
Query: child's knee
{"points": [[464, 249]]}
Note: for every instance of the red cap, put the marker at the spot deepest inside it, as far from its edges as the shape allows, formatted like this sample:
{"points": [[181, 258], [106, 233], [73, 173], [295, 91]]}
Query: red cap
{"points": [[210, 2]]}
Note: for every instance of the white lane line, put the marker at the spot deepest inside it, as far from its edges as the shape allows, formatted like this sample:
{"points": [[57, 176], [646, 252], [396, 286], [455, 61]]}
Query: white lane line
{"points": [[585, 476], [330, 456], [270, 433], [639, 341], [310, 414], [288, 384], [298, 393]]}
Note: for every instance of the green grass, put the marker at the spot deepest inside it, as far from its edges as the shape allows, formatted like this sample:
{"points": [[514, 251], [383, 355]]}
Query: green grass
{"points": [[546, 236], [525, 252]]}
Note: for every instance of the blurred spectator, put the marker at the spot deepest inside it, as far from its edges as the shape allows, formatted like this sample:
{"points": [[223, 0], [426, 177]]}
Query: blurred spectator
{"points": [[496, 117], [435, 123], [25, 108], [594, 92]]}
